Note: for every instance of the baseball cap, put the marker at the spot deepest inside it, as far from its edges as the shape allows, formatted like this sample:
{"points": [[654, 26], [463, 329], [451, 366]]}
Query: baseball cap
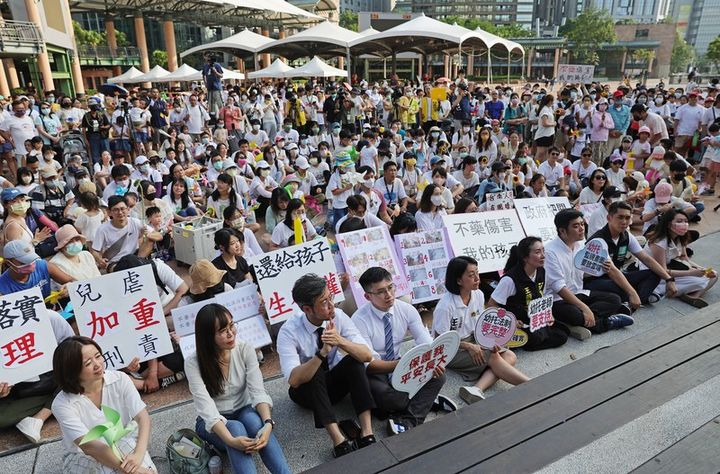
{"points": [[618, 94], [48, 172], [611, 192], [141, 159], [302, 163], [663, 192], [262, 164], [10, 194], [644, 129], [21, 251], [436, 159], [498, 166]]}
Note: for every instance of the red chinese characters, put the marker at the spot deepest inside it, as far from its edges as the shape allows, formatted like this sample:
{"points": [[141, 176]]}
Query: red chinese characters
{"points": [[333, 284], [143, 312], [277, 306], [100, 324], [20, 350]]}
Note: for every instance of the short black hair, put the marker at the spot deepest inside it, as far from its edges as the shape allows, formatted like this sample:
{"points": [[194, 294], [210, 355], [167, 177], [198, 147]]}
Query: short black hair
{"points": [[356, 201], [307, 289], [119, 171], [565, 217], [455, 269], [68, 363], [678, 165], [151, 211], [352, 224], [618, 205], [373, 275], [115, 200], [388, 164]]}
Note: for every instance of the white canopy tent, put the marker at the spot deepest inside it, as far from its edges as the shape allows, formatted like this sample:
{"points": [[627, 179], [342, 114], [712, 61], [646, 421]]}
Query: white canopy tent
{"points": [[325, 39], [316, 68], [245, 41], [276, 70], [228, 75], [496, 42], [155, 74], [178, 74], [127, 76]]}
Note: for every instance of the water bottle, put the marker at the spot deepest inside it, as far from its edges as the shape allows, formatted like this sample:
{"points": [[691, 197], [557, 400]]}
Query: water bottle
{"points": [[215, 465]]}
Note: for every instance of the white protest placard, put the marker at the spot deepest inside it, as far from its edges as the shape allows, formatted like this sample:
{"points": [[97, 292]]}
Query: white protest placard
{"points": [[590, 258], [588, 209], [27, 340], [540, 312], [424, 257], [121, 311], [537, 215], [277, 272], [485, 236], [495, 327], [415, 368], [574, 73], [366, 248], [499, 201], [251, 330]]}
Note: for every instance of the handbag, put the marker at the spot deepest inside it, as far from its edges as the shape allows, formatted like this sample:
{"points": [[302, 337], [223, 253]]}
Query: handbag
{"points": [[180, 464]]}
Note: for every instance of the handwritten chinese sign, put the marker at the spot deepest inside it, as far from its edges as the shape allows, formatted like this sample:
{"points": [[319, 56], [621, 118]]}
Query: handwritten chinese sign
{"points": [[537, 215], [415, 368], [590, 259], [485, 236], [121, 311], [277, 272], [540, 313], [499, 201], [495, 327], [575, 73], [27, 340], [424, 257], [368, 248]]}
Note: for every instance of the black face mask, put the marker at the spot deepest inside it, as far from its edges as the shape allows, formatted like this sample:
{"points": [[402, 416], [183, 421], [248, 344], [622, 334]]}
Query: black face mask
{"points": [[679, 176], [66, 105]]}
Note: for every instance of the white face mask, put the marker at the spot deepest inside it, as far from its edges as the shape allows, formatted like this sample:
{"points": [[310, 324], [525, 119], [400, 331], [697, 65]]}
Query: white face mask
{"points": [[436, 199]]}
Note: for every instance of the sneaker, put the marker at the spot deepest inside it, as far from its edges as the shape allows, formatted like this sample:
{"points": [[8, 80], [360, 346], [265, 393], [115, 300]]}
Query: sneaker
{"points": [[443, 403], [395, 428], [696, 302], [654, 298], [707, 192], [167, 381], [618, 321], [625, 309], [471, 395], [343, 448], [580, 333], [260, 356], [31, 428]]}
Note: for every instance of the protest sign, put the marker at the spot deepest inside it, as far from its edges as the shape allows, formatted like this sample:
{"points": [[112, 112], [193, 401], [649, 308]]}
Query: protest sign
{"points": [[424, 257], [366, 248], [27, 340], [415, 368], [252, 331], [495, 327], [277, 272], [438, 94], [519, 339], [485, 236], [588, 209], [499, 201], [540, 312], [590, 258], [574, 73], [537, 215], [121, 311]]}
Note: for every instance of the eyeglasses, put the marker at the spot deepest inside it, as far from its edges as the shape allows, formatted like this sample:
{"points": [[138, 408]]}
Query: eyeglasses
{"points": [[388, 290], [601, 177], [587, 155], [228, 330], [119, 209], [555, 154]]}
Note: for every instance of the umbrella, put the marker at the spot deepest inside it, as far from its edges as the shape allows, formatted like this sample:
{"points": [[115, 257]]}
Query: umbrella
{"points": [[112, 89]]}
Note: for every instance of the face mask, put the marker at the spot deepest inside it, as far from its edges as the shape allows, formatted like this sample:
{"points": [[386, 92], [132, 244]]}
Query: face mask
{"points": [[19, 113], [466, 129], [205, 141], [411, 162], [218, 165], [315, 131], [313, 161], [238, 224], [501, 176], [265, 173], [436, 200], [678, 95], [680, 228], [26, 269], [602, 107], [523, 160], [435, 134], [26, 179], [641, 100], [515, 102], [51, 100], [242, 162], [336, 131], [145, 168], [304, 141], [287, 128], [439, 182], [256, 128], [73, 248], [368, 183], [232, 171], [592, 96], [658, 101], [45, 111], [573, 95], [20, 208], [53, 183]]}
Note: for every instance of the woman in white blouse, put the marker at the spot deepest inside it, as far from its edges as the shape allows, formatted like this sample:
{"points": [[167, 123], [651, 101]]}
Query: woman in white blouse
{"points": [[234, 410], [431, 209], [79, 369]]}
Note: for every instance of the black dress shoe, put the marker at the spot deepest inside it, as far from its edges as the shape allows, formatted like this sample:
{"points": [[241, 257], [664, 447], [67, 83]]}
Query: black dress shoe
{"points": [[343, 448], [351, 428], [366, 441]]}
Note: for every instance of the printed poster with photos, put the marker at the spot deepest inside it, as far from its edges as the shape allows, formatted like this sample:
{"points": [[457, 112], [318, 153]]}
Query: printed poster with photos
{"points": [[424, 256], [368, 248]]}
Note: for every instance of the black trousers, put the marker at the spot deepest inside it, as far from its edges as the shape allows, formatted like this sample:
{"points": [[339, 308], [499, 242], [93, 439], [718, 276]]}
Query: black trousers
{"points": [[329, 386], [644, 282], [408, 411], [601, 303]]}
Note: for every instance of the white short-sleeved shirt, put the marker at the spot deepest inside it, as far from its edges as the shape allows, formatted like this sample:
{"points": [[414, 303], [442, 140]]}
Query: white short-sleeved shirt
{"points": [[339, 201], [588, 196], [506, 288], [427, 221], [582, 171], [20, 129], [77, 415], [393, 193], [552, 174], [452, 314], [107, 234], [690, 118], [656, 125], [282, 233]]}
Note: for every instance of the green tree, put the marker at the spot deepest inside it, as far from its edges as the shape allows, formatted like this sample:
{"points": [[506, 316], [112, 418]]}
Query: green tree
{"points": [[159, 58], [682, 54], [713, 52], [86, 37], [349, 20], [513, 31], [588, 31]]}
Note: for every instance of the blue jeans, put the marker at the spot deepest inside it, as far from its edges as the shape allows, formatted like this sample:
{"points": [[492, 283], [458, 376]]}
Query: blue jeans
{"points": [[188, 212], [699, 207], [338, 214], [97, 146], [246, 422]]}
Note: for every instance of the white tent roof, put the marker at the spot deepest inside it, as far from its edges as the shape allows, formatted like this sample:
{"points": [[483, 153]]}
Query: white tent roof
{"points": [[327, 39], [227, 75], [128, 75], [246, 40], [493, 40], [275, 70], [316, 68], [154, 75], [178, 74]]}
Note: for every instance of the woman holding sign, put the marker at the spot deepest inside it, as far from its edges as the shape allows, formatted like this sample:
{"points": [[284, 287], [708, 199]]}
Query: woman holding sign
{"points": [[234, 410], [523, 281], [458, 310], [285, 230]]}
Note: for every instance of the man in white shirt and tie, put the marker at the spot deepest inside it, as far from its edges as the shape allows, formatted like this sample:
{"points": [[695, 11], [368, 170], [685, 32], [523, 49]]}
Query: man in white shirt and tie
{"points": [[383, 322], [323, 357]]}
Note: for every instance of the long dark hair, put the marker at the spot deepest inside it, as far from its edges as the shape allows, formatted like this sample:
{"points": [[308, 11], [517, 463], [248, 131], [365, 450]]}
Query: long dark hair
{"points": [[232, 195], [292, 205], [483, 145], [184, 198], [546, 100], [278, 194], [209, 320], [661, 231], [425, 201], [519, 252], [592, 178]]}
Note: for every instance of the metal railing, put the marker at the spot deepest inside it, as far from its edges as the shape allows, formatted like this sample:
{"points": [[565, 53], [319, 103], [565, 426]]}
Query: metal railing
{"points": [[15, 34], [106, 52]]}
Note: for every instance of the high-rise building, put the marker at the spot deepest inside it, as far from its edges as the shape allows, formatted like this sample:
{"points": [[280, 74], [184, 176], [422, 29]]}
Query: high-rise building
{"points": [[554, 13], [497, 12], [698, 21], [640, 11], [380, 6]]}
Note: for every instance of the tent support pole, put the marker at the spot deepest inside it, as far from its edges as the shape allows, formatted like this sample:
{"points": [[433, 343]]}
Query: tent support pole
{"points": [[394, 63], [349, 70], [508, 77], [255, 61]]}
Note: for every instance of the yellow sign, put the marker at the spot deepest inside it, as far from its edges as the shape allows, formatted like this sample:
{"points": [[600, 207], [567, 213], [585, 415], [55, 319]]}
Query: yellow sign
{"points": [[438, 93], [519, 339]]}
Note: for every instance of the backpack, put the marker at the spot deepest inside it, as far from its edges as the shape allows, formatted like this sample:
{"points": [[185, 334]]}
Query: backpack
{"points": [[180, 464]]}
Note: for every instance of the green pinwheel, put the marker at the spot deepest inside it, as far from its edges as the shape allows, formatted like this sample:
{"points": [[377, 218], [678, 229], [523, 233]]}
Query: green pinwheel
{"points": [[112, 431]]}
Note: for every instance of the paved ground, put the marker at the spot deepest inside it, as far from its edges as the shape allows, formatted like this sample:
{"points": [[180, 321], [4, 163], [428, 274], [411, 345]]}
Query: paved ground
{"points": [[306, 447]]}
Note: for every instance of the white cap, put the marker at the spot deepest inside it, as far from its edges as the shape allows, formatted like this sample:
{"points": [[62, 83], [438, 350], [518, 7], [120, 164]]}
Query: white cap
{"points": [[302, 163]]}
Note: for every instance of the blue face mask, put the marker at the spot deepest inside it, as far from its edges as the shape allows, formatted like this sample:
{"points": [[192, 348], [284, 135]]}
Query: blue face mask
{"points": [[73, 248]]}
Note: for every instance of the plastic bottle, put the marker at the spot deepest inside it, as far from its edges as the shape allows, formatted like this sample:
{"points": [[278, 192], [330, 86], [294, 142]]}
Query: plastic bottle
{"points": [[215, 465]]}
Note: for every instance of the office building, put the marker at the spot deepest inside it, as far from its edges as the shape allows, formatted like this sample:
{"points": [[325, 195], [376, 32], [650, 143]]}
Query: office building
{"points": [[698, 21], [639, 11], [500, 12], [381, 6]]}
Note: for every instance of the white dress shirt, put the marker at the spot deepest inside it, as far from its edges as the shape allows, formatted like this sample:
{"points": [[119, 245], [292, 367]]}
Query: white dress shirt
{"points": [[403, 316], [560, 271], [297, 341]]}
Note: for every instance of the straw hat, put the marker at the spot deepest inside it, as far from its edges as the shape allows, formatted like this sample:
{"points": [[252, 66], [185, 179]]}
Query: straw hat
{"points": [[65, 234], [204, 275]]}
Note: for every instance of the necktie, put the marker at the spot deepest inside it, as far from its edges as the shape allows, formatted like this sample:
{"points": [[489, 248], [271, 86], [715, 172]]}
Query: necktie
{"points": [[319, 332], [389, 344]]}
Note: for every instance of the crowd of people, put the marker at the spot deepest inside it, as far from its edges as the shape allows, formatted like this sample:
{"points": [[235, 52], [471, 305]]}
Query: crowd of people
{"points": [[96, 184]]}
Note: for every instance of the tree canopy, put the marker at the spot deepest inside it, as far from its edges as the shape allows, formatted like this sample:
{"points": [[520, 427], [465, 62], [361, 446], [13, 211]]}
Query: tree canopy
{"points": [[588, 31], [94, 38], [504, 31], [713, 52], [349, 20], [682, 54]]}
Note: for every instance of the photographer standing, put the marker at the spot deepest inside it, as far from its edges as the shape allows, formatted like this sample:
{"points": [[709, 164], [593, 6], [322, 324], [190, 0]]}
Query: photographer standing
{"points": [[212, 75]]}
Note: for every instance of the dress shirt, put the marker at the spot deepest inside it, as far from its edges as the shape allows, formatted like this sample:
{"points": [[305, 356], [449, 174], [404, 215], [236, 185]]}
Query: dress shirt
{"points": [[560, 271]]}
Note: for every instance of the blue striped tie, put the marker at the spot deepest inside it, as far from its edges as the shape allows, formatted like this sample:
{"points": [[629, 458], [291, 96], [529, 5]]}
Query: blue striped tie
{"points": [[389, 344]]}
